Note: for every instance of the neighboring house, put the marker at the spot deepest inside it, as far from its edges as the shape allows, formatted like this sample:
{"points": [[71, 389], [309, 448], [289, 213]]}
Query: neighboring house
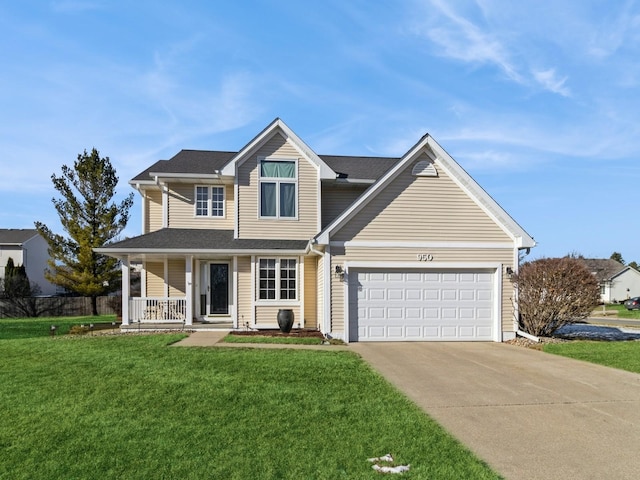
{"points": [[617, 281], [363, 248], [26, 247]]}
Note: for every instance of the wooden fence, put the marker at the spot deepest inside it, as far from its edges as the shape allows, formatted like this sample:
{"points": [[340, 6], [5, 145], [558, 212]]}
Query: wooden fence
{"points": [[60, 306]]}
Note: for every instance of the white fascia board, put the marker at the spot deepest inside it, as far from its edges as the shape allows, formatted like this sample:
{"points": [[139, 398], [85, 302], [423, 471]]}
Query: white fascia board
{"points": [[278, 125], [624, 270], [481, 197], [184, 176], [138, 184], [356, 181]]}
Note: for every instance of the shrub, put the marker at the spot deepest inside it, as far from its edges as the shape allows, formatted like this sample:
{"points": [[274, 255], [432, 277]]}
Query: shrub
{"points": [[553, 292]]}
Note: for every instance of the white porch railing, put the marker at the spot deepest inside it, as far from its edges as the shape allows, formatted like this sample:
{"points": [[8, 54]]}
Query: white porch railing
{"points": [[157, 309]]}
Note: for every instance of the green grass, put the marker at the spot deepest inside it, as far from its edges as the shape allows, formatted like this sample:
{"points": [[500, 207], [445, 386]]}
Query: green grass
{"points": [[622, 355], [129, 406], [12, 328], [622, 311]]}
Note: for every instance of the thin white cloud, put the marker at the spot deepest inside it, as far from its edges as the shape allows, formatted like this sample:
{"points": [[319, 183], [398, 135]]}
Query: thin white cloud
{"points": [[464, 40], [549, 80]]}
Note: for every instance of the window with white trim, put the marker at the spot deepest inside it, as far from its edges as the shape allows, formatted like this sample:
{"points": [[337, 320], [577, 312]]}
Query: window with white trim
{"points": [[278, 188], [277, 278], [209, 201]]}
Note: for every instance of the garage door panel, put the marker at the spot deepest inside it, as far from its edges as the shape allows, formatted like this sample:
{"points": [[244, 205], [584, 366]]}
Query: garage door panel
{"points": [[421, 305]]}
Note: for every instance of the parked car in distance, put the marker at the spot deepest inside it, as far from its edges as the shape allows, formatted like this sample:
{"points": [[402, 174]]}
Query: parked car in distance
{"points": [[632, 303]]}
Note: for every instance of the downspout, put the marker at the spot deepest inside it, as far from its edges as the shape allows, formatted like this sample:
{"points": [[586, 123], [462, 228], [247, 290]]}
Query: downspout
{"points": [[519, 332], [312, 247]]}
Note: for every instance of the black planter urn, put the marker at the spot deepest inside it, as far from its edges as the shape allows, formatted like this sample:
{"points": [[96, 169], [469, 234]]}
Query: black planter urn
{"points": [[285, 320]]}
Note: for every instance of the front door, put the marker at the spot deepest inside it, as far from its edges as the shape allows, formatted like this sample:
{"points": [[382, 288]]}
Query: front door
{"points": [[219, 289]]}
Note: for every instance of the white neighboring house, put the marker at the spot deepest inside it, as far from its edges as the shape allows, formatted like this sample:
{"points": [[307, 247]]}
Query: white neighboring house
{"points": [[617, 281], [26, 247]]}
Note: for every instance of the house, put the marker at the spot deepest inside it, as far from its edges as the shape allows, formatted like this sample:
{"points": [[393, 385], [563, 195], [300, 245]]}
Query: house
{"points": [[26, 247], [617, 281], [362, 248]]}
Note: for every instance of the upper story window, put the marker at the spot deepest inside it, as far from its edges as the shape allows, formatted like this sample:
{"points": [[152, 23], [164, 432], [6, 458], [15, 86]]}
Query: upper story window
{"points": [[278, 188], [209, 201]]}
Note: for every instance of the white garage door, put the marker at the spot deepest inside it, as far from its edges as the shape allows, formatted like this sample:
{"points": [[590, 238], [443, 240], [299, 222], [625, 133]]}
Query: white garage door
{"points": [[395, 305]]}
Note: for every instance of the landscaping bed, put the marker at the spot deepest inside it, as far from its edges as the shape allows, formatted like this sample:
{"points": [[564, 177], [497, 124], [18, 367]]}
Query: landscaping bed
{"points": [[296, 333]]}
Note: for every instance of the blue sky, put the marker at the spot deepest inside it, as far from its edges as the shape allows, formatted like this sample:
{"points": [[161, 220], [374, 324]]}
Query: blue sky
{"points": [[538, 101]]}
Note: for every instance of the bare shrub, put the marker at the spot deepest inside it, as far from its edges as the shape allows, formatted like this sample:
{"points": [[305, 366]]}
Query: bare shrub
{"points": [[553, 292]]}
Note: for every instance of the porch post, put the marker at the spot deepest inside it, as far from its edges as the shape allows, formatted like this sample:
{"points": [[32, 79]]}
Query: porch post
{"points": [[125, 290], [189, 289]]}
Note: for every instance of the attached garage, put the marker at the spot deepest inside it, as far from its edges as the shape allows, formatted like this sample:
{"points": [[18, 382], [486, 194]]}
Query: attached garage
{"points": [[421, 305]]}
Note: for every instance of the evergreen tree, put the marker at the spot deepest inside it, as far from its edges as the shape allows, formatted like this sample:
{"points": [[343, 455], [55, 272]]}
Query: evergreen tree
{"points": [[16, 283], [617, 256], [90, 220]]}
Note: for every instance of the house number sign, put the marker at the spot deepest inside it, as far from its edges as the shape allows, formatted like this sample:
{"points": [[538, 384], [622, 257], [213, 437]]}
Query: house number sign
{"points": [[425, 257]]}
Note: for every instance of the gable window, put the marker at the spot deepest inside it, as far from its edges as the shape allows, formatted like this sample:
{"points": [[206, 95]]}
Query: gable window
{"points": [[277, 279], [278, 187], [209, 201]]}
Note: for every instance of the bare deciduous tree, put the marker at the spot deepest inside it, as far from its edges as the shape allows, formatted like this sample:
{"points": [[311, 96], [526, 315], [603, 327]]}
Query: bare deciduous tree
{"points": [[553, 292]]}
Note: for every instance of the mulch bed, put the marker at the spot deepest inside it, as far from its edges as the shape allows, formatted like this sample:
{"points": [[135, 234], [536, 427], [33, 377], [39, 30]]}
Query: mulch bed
{"points": [[295, 333]]}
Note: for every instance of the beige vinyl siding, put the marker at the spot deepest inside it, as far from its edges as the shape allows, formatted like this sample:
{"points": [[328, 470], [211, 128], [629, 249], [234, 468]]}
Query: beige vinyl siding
{"points": [[267, 315], [153, 220], [250, 225], [182, 208], [424, 209], [155, 279], [336, 199], [245, 314], [310, 292], [395, 256], [177, 277]]}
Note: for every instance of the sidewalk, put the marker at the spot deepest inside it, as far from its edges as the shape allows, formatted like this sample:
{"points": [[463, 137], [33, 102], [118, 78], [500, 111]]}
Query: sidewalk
{"points": [[214, 339]]}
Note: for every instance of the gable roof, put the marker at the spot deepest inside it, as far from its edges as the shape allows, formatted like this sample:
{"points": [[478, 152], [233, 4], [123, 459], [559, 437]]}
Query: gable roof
{"points": [[278, 126], [432, 149], [13, 236], [604, 269], [205, 162]]}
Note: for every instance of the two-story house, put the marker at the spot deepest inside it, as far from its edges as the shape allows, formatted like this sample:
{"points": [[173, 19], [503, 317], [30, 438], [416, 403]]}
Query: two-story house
{"points": [[365, 249], [26, 247]]}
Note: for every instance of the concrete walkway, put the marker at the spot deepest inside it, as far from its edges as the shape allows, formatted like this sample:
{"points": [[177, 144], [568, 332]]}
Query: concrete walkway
{"points": [[212, 338], [528, 414]]}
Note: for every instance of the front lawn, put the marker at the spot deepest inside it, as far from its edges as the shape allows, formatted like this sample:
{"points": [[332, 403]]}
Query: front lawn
{"points": [[11, 328], [622, 355], [622, 311], [130, 406]]}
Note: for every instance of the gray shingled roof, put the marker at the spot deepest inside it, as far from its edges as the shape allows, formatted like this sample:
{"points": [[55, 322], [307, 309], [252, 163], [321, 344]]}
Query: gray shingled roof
{"points": [[181, 239], [16, 236], [603, 268], [189, 161], [362, 168], [204, 161]]}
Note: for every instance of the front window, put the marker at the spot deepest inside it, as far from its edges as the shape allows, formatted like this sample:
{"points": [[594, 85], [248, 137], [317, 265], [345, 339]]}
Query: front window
{"points": [[277, 279], [209, 201], [278, 186]]}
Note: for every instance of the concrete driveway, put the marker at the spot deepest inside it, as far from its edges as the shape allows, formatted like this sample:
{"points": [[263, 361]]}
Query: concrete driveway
{"points": [[528, 414]]}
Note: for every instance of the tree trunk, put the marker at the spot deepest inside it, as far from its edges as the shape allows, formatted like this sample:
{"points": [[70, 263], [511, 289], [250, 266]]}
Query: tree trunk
{"points": [[94, 306]]}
